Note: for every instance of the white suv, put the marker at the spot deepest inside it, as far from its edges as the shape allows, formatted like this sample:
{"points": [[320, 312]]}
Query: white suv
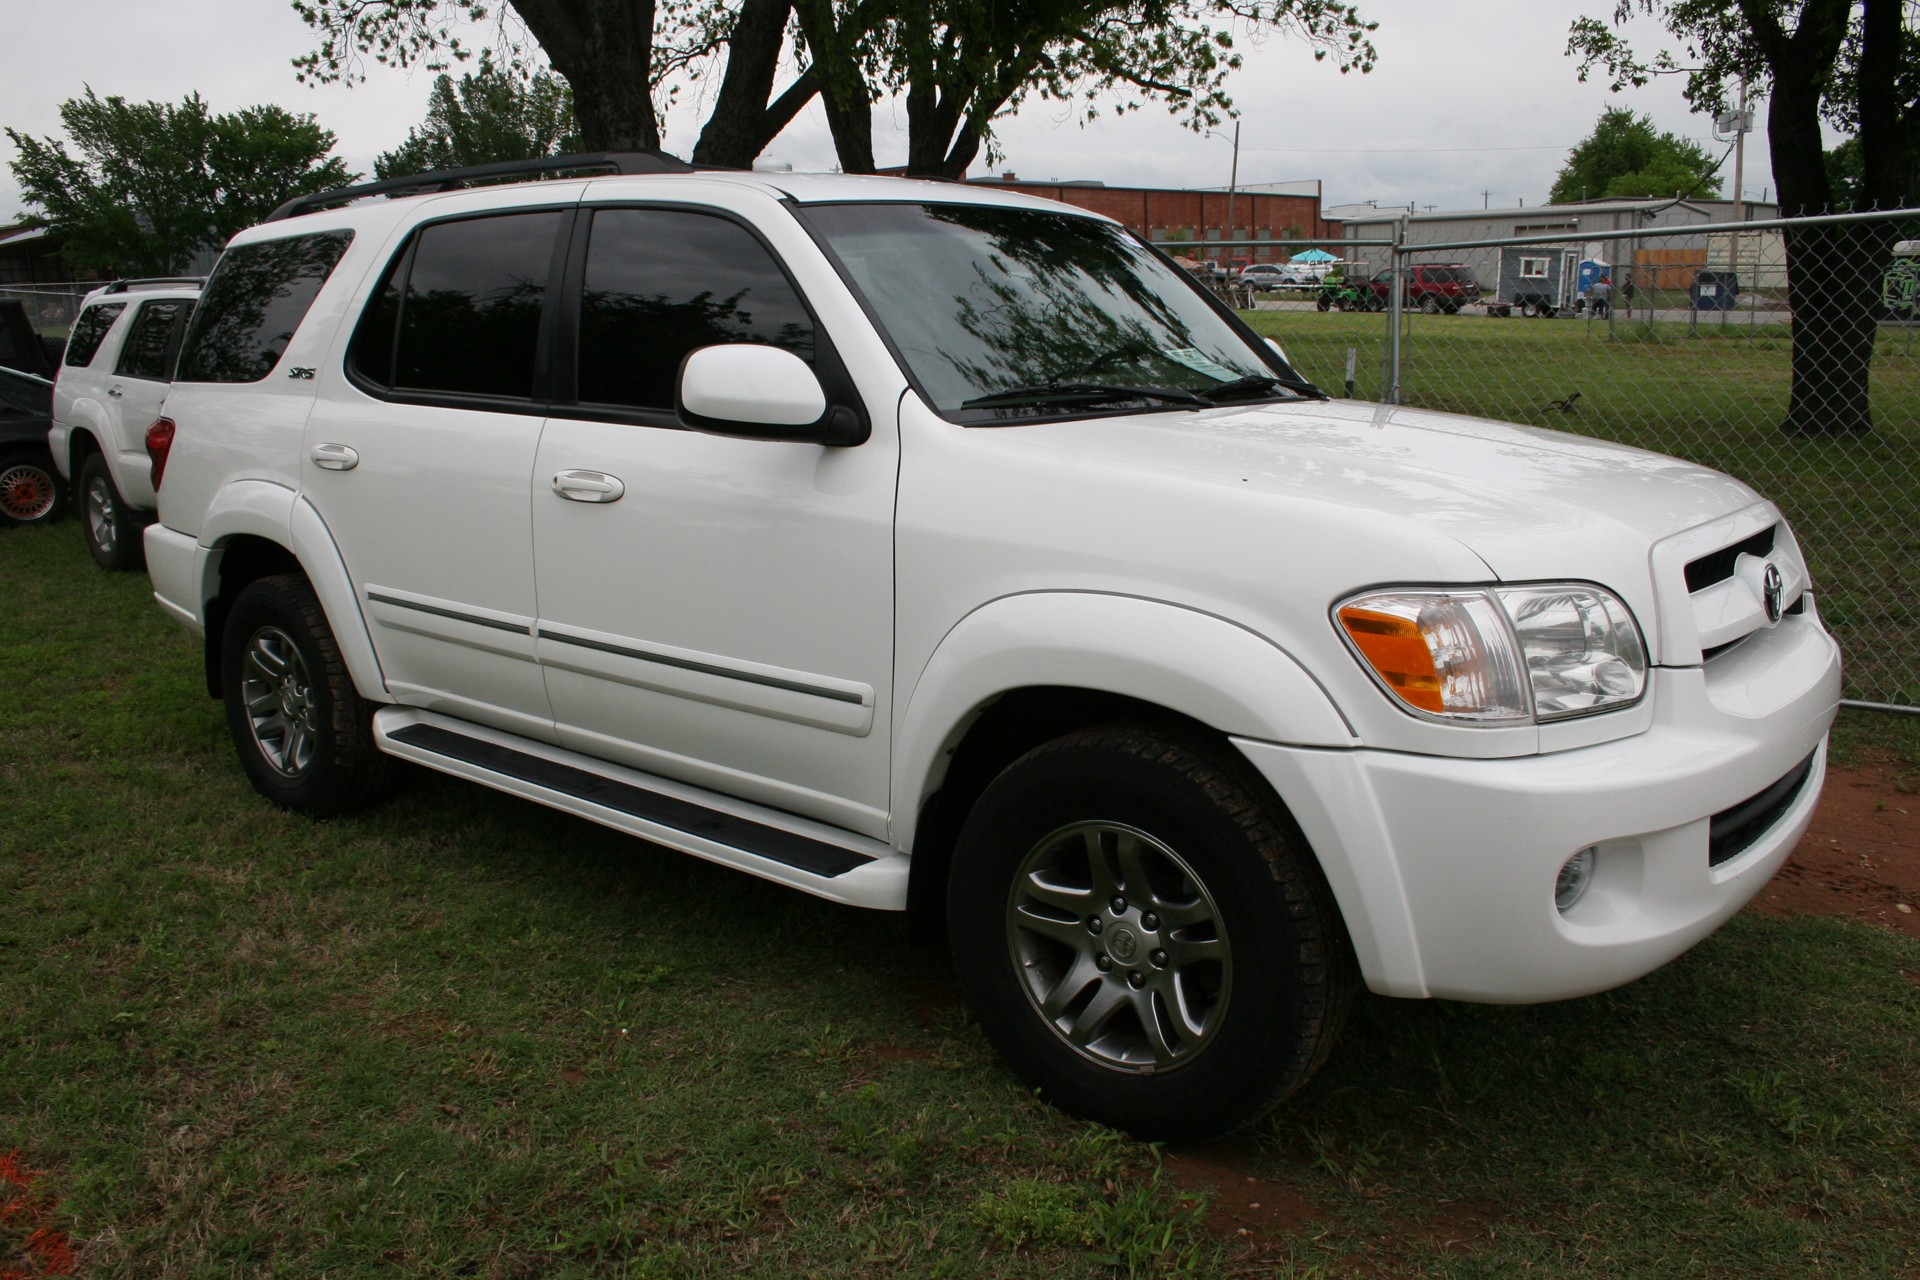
{"points": [[107, 392], [931, 548]]}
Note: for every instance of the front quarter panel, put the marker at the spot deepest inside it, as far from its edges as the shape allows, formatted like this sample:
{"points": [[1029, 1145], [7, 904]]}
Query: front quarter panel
{"points": [[1201, 666]]}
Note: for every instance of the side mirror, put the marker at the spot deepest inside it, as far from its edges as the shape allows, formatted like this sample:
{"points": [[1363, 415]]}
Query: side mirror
{"points": [[762, 392], [1275, 344]]}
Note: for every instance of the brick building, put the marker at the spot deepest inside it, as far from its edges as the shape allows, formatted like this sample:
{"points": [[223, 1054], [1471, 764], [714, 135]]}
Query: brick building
{"points": [[1283, 212]]}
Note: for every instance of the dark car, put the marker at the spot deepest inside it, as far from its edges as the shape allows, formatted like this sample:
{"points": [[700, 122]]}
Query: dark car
{"points": [[1431, 286], [30, 490]]}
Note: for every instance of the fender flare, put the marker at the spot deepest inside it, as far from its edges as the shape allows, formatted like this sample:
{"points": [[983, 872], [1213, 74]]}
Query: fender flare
{"points": [[1203, 666], [275, 513]]}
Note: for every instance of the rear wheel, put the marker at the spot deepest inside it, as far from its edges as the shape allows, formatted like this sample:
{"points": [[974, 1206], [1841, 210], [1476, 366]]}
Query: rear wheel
{"points": [[1430, 305], [1323, 303], [1144, 935], [113, 530], [305, 736], [29, 489]]}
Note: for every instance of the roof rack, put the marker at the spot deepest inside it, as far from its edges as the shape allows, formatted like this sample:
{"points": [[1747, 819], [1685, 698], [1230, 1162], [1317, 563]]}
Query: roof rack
{"points": [[621, 162], [150, 282]]}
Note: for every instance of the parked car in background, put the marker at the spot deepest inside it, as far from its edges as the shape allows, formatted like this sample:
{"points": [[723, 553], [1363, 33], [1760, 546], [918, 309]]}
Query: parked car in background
{"points": [[1432, 287], [119, 359], [30, 491], [1278, 275], [936, 548]]}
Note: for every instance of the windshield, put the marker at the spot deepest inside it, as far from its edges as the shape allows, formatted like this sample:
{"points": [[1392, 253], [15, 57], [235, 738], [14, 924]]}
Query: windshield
{"points": [[1011, 313]]}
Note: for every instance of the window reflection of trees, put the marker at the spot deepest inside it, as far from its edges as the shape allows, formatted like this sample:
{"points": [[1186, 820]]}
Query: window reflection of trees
{"points": [[632, 345], [257, 297], [471, 341], [1030, 297]]}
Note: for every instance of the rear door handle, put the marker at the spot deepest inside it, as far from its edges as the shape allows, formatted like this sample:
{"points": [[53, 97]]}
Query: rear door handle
{"points": [[589, 486], [115, 392], [334, 457]]}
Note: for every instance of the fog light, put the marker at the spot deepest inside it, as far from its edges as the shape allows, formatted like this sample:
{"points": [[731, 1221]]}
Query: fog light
{"points": [[1573, 881]]}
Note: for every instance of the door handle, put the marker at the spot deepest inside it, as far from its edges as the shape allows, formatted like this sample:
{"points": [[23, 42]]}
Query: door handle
{"points": [[115, 392], [588, 486], [334, 457]]}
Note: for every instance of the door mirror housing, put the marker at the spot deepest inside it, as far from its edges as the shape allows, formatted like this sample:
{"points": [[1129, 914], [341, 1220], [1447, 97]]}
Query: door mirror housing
{"points": [[762, 392]]}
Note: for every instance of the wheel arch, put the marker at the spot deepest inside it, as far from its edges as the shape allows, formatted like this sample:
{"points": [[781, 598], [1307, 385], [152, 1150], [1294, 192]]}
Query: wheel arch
{"points": [[1026, 669], [259, 529]]}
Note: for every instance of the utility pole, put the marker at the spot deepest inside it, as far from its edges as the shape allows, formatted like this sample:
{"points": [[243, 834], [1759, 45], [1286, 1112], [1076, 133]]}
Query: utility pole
{"points": [[1233, 183]]}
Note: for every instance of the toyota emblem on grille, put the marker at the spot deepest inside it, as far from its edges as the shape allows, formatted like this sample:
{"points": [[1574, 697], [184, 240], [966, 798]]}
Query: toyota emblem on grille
{"points": [[1773, 593]]}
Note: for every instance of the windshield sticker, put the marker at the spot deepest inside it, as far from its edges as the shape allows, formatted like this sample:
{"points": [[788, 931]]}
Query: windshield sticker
{"points": [[1200, 362]]}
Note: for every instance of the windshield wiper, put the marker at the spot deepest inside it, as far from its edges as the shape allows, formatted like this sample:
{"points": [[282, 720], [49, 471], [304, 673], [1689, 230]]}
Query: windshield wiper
{"points": [[1084, 392], [1260, 384]]}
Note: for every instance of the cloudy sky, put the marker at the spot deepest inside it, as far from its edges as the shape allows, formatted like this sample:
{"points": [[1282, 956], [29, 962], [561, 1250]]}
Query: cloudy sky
{"points": [[1472, 102]]}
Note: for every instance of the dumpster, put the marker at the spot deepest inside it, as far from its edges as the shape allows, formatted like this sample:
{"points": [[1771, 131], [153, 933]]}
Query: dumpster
{"points": [[1714, 291]]}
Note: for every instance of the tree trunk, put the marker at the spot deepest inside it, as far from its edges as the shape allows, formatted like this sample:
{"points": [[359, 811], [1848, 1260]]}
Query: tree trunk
{"points": [[605, 50], [743, 122], [1833, 271], [843, 89]]}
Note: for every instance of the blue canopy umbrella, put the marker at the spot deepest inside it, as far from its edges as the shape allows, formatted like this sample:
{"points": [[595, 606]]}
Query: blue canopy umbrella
{"points": [[1315, 255]]}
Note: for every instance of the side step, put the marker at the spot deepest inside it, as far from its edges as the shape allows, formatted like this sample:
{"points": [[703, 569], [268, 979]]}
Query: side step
{"points": [[794, 851]]}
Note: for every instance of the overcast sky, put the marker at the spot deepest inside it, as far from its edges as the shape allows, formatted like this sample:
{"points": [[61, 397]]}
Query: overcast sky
{"points": [[1472, 102]]}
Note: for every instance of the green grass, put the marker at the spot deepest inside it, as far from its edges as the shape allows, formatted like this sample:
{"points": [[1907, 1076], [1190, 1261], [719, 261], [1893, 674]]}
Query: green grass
{"points": [[1716, 396], [461, 1035]]}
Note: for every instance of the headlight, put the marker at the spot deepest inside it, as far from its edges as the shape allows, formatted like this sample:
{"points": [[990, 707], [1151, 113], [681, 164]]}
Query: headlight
{"points": [[1500, 655]]}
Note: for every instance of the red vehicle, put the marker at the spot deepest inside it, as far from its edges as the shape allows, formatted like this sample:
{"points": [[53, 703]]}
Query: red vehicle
{"points": [[1431, 286]]}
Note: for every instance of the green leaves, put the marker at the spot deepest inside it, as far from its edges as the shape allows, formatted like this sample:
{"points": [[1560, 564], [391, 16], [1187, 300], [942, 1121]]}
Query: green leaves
{"points": [[490, 115], [1625, 156], [153, 183]]}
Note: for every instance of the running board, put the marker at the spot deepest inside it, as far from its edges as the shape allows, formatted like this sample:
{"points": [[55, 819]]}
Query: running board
{"points": [[790, 850]]}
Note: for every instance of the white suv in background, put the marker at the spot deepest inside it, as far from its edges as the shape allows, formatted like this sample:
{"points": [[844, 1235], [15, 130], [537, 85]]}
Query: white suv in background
{"points": [[107, 392], [928, 547]]}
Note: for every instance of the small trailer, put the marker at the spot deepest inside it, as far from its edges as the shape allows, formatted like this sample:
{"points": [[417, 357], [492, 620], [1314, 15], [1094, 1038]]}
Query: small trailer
{"points": [[1535, 280]]}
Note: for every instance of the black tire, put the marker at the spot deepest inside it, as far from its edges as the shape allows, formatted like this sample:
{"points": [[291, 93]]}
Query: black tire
{"points": [[1323, 303], [29, 488], [1430, 305], [1208, 902], [304, 735], [115, 533], [1528, 310]]}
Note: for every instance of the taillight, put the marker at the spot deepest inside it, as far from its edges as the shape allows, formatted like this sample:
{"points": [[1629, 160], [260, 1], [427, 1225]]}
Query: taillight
{"points": [[159, 444]]}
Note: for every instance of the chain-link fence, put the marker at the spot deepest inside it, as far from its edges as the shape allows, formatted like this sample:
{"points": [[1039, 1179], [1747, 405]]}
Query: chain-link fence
{"points": [[50, 307], [1695, 341]]}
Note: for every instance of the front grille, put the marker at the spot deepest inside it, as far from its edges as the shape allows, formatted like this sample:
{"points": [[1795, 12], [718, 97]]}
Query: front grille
{"points": [[1717, 566], [1735, 830]]}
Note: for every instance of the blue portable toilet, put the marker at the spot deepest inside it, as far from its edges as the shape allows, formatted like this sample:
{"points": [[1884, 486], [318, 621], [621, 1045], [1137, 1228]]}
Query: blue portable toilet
{"points": [[1590, 270]]}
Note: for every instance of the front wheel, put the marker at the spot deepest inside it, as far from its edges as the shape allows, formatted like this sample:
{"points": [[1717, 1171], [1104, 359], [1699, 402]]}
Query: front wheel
{"points": [[304, 734], [1324, 303], [29, 489], [1144, 935], [1430, 305], [113, 530]]}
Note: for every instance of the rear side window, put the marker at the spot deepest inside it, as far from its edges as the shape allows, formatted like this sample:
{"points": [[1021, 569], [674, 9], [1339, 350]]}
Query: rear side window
{"points": [[90, 330], [459, 311], [255, 299], [152, 339], [660, 283]]}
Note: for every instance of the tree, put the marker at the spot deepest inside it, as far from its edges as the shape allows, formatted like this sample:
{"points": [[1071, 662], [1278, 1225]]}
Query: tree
{"points": [[154, 183], [1625, 157], [489, 115], [1850, 62], [956, 63]]}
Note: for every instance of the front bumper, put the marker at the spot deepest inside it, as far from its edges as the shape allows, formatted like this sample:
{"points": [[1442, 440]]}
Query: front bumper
{"points": [[1444, 868]]}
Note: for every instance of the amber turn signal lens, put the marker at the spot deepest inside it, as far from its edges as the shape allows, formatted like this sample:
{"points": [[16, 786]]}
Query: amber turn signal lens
{"points": [[1396, 649]]}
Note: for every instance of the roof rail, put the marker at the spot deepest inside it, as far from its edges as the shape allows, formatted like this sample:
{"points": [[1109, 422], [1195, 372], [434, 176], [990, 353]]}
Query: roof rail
{"points": [[454, 179], [121, 286]]}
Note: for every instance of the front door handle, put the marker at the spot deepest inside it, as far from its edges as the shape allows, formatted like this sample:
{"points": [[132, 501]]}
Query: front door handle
{"points": [[589, 486], [334, 457], [115, 392]]}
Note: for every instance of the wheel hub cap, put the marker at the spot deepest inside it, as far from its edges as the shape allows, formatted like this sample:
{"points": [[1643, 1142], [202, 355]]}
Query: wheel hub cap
{"points": [[26, 493], [1119, 946], [278, 695], [100, 514]]}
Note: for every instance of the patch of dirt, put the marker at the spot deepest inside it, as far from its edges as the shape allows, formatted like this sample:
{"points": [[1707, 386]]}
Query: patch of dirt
{"points": [[1861, 857], [1240, 1204]]}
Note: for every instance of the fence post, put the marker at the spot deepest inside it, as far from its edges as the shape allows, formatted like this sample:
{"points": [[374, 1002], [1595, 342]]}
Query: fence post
{"points": [[1395, 298]]}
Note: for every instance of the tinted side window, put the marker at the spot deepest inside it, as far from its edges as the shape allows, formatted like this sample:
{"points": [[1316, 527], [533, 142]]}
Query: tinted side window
{"points": [[144, 353], [255, 299], [660, 283], [468, 318], [90, 330]]}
